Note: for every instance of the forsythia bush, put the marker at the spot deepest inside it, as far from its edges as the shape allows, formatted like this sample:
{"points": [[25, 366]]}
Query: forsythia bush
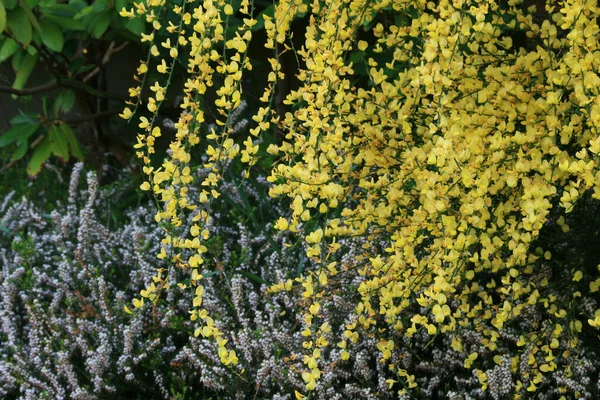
{"points": [[446, 134]]}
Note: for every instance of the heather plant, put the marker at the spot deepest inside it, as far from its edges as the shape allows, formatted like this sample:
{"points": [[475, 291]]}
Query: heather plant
{"points": [[445, 135], [62, 283], [66, 277]]}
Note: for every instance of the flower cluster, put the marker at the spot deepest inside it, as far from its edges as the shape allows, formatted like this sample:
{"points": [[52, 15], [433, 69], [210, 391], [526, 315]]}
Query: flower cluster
{"points": [[444, 137], [453, 156]]}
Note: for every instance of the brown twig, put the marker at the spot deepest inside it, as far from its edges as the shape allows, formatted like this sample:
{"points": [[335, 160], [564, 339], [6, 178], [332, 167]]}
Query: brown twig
{"points": [[90, 117], [36, 141], [105, 59], [34, 90], [68, 83]]}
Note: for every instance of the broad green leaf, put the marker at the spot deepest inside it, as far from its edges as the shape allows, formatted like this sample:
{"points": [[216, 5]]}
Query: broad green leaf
{"points": [[74, 148], [52, 35], [24, 71], [65, 22], [64, 101], [37, 39], [120, 4], [10, 4], [83, 12], [31, 3], [136, 26], [57, 104], [100, 5], [59, 10], [32, 50], [101, 24], [78, 67], [21, 151], [2, 16], [18, 133], [17, 58], [25, 118], [19, 25], [68, 99], [9, 47], [40, 155], [30, 16], [58, 143], [28, 131], [79, 4]]}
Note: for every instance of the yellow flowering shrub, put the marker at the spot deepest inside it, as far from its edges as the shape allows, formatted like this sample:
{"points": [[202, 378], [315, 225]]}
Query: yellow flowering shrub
{"points": [[449, 133]]}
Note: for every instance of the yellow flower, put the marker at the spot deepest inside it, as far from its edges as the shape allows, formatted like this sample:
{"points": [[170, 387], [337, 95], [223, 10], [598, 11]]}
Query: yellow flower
{"points": [[126, 114], [162, 68], [282, 224]]}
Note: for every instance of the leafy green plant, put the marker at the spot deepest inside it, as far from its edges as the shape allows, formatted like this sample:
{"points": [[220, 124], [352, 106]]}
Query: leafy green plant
{"points": [[73, 41], [44, 135]]}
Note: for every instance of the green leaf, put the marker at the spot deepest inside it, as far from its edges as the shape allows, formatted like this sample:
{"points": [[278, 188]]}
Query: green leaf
{"points": [[99, 6], [2, 17], [74, 148], [78, 67], [45, 105], [10, 4], [260, 19], [37, 39], [40, 155], [24, 71], [136, 26], [9, 47], [25, 118], [32, 50], [83, 12], [120, 4], [5, 230], [19, 25], [18, 133], [252, 277], [101, 25], [209, 274], [30, 16], [301, 264], [17, 58], [52, 35], [59, 143], [59, 10], [65, 100], [66, 23], [21, 151]]}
